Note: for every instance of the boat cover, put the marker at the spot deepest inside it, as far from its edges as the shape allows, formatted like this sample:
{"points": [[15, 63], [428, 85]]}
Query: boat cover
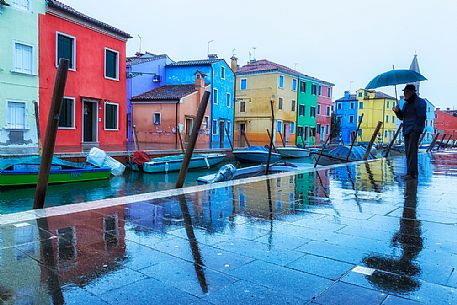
{"points": [[357, 152], [36, 160]]}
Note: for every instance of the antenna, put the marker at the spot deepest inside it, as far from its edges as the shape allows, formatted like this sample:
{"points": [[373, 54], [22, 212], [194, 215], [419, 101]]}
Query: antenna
{"points": [[254, 48], [295, 65], [350, 85], [209, 42], [140, 43], [233, 52]]}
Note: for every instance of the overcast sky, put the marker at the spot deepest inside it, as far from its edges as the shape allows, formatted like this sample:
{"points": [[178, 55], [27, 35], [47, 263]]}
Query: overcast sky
{"points": [[344, 42]]}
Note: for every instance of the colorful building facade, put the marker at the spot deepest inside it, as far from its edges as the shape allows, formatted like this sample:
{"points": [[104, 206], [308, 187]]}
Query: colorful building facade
{"points": [[145, 72], [160, 114], [221, 80], [376, 106], [446, 122], [345, 110], [19, 83], [93, 111], [306, 111], [257, 84], [323, 111]]}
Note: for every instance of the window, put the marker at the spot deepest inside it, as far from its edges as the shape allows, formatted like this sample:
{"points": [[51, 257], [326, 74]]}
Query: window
{"points": [[23, 58], [111, 116], [326, 129], [360, 105], [111, 64], [318, 109], [339, 105], [228, 126], [352, 105], [306, 133], [214, 127], [21, 4], [299, 131], [360, 118], [281, 81], [157, 118], [320, 90], [393, 119], [242, 106], [328, 110], [66, 49], [351, 119], [393, 105], [280, 103], [206, 122], [16, 115], [280, 126], [293, 105], [387, 119], [387, 104], [314, 89], [301, 110], [292, 127], [223, 72], [243, 84], [294, 85], [318, 128], [312, 112], [215, 97], [67, 113], [329, 91], [303, 87], [228, 99]]}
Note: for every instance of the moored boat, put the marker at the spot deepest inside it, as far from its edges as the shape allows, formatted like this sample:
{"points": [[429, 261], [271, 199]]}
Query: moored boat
{"points": [[293, 152], [173, 163], [24, 171], [255, 154], [340, 155]]}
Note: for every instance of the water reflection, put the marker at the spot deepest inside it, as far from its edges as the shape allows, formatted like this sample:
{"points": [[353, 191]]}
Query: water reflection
{"points": [[399, 274]]}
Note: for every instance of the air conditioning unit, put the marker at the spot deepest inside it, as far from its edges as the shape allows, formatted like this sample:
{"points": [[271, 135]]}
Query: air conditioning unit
{"points": [[156, 78]]}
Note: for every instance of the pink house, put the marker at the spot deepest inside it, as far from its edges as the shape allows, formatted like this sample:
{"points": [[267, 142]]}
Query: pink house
{"points": [[323, 111], [159, 113]]}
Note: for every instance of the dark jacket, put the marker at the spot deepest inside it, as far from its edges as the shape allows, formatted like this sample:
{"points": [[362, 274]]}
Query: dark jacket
{"points": [[413, 115]]}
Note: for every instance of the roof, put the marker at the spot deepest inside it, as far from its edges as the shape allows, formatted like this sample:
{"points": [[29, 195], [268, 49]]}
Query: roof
{"points": [[136, 60], [351, 97], [198, 62], [380, 94], [168, 92], [71, 11], [263, 65]]}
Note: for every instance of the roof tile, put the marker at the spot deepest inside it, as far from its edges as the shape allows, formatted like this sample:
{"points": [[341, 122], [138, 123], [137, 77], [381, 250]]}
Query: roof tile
{"points": [[168, 92]]}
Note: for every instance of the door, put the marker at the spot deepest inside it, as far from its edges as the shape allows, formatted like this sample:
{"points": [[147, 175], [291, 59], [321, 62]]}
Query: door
{"points": [[189, 125], [90, 118], [221, 133], [286, 133], [242, 130]]}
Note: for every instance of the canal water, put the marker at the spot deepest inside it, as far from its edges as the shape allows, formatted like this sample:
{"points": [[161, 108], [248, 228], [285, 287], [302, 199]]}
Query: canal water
{"points": [[14, 200]]}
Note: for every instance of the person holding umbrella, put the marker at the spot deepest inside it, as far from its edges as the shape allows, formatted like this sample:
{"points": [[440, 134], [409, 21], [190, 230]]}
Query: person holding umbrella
{"points": [[413, 116]]}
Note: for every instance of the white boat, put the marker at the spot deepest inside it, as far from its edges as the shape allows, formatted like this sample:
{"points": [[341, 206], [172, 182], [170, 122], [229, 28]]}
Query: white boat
{"points": [[173, 163], [246, 172], [293, 152]]}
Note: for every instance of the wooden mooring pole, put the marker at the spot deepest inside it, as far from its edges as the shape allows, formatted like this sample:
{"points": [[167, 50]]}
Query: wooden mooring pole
{"points": [[355, 137], [135, 138], [228, 137], [51, 133], [282, 139], [192, 140], [246, 138], [37, 122], [441, 141], [432, 144], [180, 141], [269, 136], [447, 142], [393, 140], [373, 138], [267, 167]]}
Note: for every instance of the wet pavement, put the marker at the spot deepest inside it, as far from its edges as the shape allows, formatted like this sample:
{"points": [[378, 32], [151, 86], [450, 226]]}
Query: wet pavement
{"points": [[350, 234]]}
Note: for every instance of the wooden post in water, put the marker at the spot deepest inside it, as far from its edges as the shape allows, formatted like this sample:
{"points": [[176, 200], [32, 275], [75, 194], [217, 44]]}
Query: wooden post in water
{"points": [[373, 138], [322, 150], [421, 139], [393, 140], [267, 167], [180, 141], [192, 140], [302, 139], [432, 144], [269, 136], [282, 139], [228, 137], [51, 133], [355, 136], [135, 138], [37, 122], [441, 141], [246, 138], [447, 142]]}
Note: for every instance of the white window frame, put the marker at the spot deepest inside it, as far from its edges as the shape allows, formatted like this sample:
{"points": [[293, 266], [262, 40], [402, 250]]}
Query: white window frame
{"points": [[32, 62], [74, 113], [246, 82], [318, 110], [279, 123], [8, 126], [228, 99], [74, 50], [214, 131], [117, 64], [328, 111], [292, 127], [244, 106], [283, 81], [329, 91], [154, 119], [117, 116], [280, 103], [222, 74], [294, 80], [28, 9], [215, 96], [319, 90], [228, 126]]}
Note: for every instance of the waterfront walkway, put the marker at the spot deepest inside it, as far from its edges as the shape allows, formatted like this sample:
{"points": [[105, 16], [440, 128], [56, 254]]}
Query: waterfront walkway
{"points": [[350, 234]]}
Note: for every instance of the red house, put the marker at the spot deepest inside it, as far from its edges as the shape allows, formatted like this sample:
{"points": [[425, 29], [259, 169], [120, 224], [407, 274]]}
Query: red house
{"points": [[446, 122], [93, 112], [323, 111]]}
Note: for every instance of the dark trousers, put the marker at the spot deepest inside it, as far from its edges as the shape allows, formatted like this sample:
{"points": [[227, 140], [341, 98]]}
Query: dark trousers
{"points": [[411, 148]]}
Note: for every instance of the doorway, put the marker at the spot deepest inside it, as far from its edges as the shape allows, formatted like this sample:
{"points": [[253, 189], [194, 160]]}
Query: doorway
{"points": [[90, 119], [189, 125], [221, 133], [241, 139]]}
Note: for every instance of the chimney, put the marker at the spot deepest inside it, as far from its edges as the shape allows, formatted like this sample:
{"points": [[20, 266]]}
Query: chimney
{"points": [[199, 80], [234, 63], [138, 54], [212, 56], [346, 94]]}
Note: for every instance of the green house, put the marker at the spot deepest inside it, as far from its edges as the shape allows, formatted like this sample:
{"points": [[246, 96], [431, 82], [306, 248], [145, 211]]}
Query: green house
{"points": [[306, 114]]}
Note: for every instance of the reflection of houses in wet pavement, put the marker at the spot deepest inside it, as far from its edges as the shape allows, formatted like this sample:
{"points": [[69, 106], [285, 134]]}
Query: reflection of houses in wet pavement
{"points": [[88, 243]]}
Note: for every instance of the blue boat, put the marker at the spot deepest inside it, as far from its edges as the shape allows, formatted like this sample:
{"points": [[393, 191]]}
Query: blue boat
{"points": [[255, 154], [173, 163]]}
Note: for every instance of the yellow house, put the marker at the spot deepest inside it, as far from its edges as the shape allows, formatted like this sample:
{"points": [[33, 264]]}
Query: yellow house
{"points": [[376, 106], [256, 85]]}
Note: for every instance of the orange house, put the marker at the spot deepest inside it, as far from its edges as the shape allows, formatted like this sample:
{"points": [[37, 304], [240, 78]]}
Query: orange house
{"points": [[159, 113]]}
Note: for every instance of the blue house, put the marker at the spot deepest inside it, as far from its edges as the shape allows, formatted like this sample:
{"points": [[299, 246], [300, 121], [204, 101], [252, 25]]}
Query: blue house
{"points": [[145, 72], [222, 81], [345, 110]]}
